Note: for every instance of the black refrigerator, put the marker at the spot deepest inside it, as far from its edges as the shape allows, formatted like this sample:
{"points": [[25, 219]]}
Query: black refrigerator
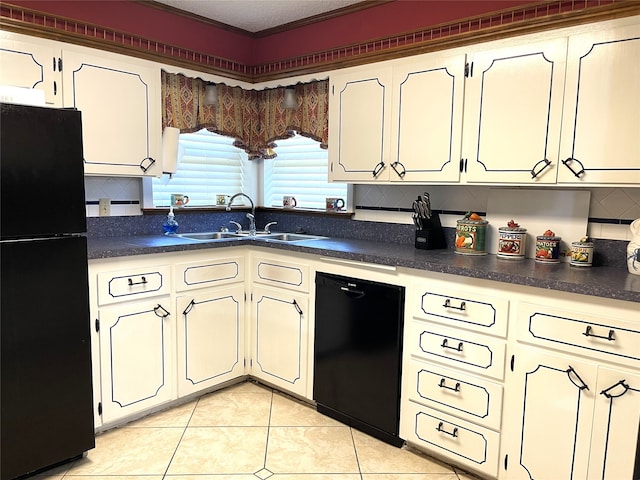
{"points": [[46, 404]]}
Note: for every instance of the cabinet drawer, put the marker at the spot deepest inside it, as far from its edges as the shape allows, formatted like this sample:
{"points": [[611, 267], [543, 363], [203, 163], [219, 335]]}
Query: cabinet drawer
{"points": [[133, 284], [463, 442], [282, 274], [209, 274], [456, 348], [454, 392], [606, 338], [465, 310]]}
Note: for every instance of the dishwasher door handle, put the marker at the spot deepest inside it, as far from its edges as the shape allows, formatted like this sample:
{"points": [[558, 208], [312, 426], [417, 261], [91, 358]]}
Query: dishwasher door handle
{"points": [[353, 292]]}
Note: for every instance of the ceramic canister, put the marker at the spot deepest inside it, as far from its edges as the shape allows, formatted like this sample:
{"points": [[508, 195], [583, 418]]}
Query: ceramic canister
{"points": [[582, 253], [471, 236], [511, 242], [547, 249]]}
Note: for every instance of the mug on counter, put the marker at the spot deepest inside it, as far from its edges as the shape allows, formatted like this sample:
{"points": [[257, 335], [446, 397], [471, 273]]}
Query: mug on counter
{"points": [[179, 200], [222, 199], [334, 203], [289, 202]]}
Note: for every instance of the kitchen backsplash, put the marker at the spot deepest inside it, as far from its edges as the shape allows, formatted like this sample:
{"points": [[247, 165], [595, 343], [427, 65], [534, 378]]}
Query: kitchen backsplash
{"points": [[610, 209]]}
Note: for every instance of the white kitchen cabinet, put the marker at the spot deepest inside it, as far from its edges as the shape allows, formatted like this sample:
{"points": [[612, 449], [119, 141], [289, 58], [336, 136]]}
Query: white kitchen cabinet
{"points": [[28, 62], [137, 350], [279, 324], [120, 104], [359, 124], [601, 123], [210, 312], [513, 113], [426, 131], [210, 334]]}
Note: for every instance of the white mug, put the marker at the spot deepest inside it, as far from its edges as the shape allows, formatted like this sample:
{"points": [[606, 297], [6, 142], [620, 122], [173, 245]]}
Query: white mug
{"points": [[289, 202], [334, 203], [179, 200]]}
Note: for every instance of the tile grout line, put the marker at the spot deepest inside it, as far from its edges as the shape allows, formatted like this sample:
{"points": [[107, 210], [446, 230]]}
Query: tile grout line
{"points": [[355, 451], [266, 447], [164, 475]]}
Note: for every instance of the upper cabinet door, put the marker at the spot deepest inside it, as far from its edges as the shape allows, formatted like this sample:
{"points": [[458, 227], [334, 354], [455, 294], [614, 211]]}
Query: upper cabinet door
{"points": [[359, 108], [601, 124], [513, 112], [31, 65], [120, 104], [427, 111]]}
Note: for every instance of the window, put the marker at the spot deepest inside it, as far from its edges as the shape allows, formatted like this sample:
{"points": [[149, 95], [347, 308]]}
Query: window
{"points": [[300, 170], [208, 165]]}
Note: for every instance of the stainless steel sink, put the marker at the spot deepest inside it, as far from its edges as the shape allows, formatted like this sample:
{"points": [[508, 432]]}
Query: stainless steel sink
{"points": [[208, 236], [290, 237]]}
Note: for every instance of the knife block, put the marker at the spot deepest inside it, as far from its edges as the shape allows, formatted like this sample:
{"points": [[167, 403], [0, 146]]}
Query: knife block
{"points": [[431, 236]]}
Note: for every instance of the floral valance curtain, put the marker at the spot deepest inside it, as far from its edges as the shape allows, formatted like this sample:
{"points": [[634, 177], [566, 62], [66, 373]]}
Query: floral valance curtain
{"points": [[255, 118]]}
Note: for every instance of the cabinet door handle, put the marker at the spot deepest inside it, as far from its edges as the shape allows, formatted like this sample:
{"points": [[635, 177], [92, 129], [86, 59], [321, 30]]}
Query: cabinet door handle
{"points": [[583, 385], [578, 173], [146, 164], [143, 281], [535, 173], [189, 307], [378, 168], [445, 344], [400, 173], [610, 337], [447, 304], [160, 311], [297, 307], [453, 433], [443, 384], [621, 383]]}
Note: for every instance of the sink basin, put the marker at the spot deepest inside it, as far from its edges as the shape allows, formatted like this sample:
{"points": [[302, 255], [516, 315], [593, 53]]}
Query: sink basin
{"points": [[291, 237], [207, 236]]}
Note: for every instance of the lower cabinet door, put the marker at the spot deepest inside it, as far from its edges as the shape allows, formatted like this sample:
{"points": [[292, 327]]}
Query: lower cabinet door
{"points": [[137, 354], [210, 338], [549, 416], [464, 443], [280, 329], [616, 420]]}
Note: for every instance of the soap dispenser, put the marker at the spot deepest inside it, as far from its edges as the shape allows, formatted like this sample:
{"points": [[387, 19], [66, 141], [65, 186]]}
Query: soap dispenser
{"points": [[170, 226]]}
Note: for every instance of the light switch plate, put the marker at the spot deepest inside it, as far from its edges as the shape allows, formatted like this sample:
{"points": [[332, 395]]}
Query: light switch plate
{"points": [[104, 207]]}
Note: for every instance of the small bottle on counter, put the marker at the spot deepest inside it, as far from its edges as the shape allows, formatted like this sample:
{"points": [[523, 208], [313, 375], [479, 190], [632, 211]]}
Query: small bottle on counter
{"points": [[170, 226]]}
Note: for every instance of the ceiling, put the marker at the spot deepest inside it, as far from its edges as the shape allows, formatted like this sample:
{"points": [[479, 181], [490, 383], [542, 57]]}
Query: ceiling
{"points": [[257, 15]]}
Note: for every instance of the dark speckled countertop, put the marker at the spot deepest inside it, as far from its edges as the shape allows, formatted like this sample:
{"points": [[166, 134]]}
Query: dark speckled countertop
{"points": [[607, 282]]}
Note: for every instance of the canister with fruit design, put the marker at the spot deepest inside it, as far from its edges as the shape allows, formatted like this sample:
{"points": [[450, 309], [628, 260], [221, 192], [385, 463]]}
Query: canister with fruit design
{"points": [[471, 234], [512, 241], [582, 253], [548, 248]]}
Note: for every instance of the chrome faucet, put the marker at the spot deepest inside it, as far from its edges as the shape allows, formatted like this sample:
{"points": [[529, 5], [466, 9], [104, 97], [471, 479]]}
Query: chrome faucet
{"points": [[268, 226], [251, 216]]}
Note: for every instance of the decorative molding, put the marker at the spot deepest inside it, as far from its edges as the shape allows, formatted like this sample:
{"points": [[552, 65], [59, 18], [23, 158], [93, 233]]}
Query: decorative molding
{"points": [[535, 17]]}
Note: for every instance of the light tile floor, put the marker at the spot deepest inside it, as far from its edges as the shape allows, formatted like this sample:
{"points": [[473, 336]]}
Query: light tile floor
{"points": [[247, 432]]}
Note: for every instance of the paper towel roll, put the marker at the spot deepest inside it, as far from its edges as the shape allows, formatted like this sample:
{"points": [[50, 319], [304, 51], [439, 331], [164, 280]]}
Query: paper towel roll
{"points": [[170, 137]]}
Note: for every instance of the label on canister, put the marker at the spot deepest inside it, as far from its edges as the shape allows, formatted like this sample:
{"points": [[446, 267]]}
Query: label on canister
{"points": [[582, 254], [547, 249], [511, 242], [471, 236]]}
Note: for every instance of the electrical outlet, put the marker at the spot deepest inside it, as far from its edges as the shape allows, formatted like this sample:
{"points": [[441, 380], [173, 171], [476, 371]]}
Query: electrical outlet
{"points": [[104, 207]]}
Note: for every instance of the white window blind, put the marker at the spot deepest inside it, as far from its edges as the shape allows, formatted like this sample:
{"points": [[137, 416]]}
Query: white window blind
{"points": [[208, 165], [300, 170]]}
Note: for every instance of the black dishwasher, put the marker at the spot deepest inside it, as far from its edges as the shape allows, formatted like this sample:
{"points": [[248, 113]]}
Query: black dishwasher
{"points": [[358, 348]]}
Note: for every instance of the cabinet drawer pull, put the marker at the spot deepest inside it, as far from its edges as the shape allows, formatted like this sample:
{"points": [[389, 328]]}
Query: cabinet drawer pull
{"points": [[442, 384], [610, 337], [583, 385], [535, 173], [440, 428], [568, 161], [160, 311], [445, 344], [141, 282], [621, 383], [378, 168], [447, 304]]}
